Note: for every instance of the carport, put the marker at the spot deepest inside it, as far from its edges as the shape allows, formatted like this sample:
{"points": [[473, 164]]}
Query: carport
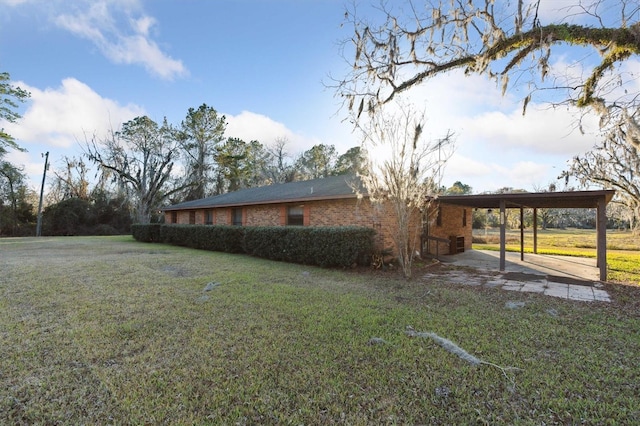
{"points": [[537, 200]]}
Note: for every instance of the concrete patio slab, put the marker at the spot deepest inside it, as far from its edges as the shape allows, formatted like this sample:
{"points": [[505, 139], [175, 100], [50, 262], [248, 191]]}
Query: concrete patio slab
{"points": [[533, 287], [578, 292], [557, 290], [547, 265], [565, 277]]}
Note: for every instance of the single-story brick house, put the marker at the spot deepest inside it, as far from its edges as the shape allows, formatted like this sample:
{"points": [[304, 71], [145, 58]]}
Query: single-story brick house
{"points": [[332, 201]]}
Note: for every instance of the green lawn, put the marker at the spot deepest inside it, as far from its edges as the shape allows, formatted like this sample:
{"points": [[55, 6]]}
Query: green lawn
{"points": [[105, 330], [623, 248]]}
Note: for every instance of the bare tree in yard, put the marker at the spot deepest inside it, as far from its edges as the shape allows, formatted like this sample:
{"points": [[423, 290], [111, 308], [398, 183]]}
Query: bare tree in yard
{"points": [[613, 163], [141, 155], [417, 40], [406, 177]]}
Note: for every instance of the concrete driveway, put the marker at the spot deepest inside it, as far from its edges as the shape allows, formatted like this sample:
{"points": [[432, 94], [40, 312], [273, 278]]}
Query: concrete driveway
{"points": [[567, 277]]}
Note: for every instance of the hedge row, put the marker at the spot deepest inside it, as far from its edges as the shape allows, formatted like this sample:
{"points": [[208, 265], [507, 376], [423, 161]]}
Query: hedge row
{"points": [[322, 246]]}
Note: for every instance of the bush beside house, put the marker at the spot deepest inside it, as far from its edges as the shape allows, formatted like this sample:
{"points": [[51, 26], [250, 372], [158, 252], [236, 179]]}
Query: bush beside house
{"points": [[324, 246]]}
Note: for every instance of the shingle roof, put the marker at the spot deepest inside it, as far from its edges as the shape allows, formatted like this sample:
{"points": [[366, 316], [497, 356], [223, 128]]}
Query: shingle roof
{"points": [[334, 187]]}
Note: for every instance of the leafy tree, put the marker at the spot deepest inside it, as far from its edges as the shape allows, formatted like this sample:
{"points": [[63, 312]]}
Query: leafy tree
{"points": [[239, 165], [16, 210], [317, 162], [9, 97], [459, 188], [403, 178], [73, 216], [13, 190], [142, 156], [415, 41], [201, 132], [351, 162]]}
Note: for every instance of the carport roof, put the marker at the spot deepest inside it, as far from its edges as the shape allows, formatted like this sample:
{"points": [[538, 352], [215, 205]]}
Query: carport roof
{"points": [[570, 199]]}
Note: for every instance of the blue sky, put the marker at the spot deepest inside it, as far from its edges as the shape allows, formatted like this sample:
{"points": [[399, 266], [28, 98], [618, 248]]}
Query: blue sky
{"points": [[92, 65]]}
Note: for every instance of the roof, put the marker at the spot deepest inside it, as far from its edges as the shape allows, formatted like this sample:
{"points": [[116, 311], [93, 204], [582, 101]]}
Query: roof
{"points": [[571, 199], [331, 188]]}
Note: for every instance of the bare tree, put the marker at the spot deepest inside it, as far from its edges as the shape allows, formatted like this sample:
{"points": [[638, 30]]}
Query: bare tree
{"points": [[613, 163], [415, 41], [279, 166], [406, 176], [142, 156], [70, 181]]}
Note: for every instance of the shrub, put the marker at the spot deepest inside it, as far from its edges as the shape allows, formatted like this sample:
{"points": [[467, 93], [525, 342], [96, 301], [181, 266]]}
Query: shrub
{"points": [[323, 246], [146, 233]]}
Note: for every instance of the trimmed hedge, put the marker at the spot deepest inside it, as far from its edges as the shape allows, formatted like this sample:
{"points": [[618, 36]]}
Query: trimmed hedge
{"points": [[148, 233], [322, 246]]}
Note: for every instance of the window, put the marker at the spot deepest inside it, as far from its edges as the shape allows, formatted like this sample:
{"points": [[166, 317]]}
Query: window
{"points": [[464, 217], [295, 216], [208, 217], [439, 218], [192, 218], [174, 217], [236, 217]]}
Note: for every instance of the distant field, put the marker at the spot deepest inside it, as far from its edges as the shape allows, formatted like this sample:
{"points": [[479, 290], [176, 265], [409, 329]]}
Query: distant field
{"points": [[623, 248]]}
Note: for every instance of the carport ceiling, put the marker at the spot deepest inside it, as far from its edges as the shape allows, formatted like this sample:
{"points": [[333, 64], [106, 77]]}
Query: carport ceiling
{"points": [[539, 200]]}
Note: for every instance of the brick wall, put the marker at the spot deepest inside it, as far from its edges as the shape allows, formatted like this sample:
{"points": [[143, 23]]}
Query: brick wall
{"points": [[451, 223], [343, 212]]}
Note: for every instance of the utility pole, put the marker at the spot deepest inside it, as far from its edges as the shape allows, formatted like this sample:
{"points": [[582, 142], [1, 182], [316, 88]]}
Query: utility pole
{"points": [[44, 176]]}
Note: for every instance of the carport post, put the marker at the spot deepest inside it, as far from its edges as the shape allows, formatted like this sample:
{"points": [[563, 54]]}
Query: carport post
{"points": [[535, 230], [521, 233], [503, 236], [601, 238]]}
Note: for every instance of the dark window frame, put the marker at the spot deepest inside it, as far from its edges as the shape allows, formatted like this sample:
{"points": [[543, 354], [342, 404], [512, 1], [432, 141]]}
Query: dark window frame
{"points": [[295, 218], [236, 216]]}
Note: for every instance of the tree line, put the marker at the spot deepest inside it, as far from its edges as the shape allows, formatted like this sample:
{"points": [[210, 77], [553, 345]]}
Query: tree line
{"points": [[145, 165]]}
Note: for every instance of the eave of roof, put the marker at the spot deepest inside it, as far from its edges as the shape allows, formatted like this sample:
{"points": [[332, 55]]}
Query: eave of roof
{"points": [[570, 199], [331, 188]]}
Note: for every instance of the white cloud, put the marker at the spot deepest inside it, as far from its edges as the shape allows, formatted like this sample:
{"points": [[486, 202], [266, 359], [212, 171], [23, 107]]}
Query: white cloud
{"points": [[13, 2], [122, 45], [59, 117], [250, 126], [541, 130], [467, 168]]}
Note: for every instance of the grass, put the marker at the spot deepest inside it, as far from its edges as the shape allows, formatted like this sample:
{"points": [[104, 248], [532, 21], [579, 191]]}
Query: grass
{"points": [[623, 248], [110, 331]]}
